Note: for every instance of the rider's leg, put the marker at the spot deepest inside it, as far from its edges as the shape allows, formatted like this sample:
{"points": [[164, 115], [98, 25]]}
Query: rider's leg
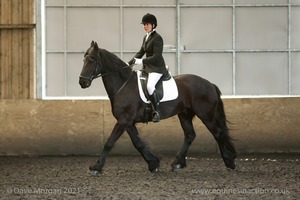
{"points": [[153, 78]]}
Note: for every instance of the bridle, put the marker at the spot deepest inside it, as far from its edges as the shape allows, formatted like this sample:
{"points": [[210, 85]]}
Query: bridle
{"points": [[96, 73]]}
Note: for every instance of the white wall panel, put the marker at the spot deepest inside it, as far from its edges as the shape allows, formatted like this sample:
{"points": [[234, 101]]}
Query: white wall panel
{"points": [[55, 29], [87, 24], [206, 28], [207, 2], [253, 2], [55, 75], [295, 1], [54, 2], [92, 2], [146, 2], [262, 73], [295, 28], [295, 73], [246, 47], [261, 28]]}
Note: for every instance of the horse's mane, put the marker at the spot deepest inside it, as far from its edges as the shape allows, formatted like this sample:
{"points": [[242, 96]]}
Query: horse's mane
{"points": [[111, 60]]}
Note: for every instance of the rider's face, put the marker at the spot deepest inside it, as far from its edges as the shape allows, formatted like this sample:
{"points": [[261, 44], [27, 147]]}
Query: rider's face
{"points": [[148, 27]]}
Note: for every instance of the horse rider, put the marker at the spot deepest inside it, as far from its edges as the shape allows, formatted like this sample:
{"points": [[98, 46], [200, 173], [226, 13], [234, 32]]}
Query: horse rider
{"points": [[154, 63]]}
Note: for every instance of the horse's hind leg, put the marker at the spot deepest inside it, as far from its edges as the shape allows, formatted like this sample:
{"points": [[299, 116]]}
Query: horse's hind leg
{"points": [[150, 158], [218, 127], [189, 136], [226, 147]]}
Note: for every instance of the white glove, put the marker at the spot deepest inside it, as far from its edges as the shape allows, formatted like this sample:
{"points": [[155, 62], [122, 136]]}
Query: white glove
{"points": [[138, 61]]}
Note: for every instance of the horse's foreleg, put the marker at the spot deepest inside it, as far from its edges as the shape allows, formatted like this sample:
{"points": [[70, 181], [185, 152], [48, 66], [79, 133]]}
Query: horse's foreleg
{"points": [[150, 158], [189, 136], [114, 136]]}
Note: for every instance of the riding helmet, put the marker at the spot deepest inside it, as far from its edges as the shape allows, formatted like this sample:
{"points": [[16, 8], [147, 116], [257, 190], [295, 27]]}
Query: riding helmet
{"points": [[149, 18]]}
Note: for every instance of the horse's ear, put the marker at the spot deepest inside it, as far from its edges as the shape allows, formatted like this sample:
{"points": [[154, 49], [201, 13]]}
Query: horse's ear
{"points": [[96, 45]]}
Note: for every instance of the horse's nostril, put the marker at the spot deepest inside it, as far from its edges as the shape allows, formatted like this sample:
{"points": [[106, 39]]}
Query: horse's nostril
{"points": [[80, 82], [84, 83]]}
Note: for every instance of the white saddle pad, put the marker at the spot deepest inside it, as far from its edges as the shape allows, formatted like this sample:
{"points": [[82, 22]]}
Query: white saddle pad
{"points": [[169, 87]]}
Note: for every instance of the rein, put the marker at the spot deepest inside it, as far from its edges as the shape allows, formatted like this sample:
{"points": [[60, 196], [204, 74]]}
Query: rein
{"points": [[125, 83], [97, 74]]}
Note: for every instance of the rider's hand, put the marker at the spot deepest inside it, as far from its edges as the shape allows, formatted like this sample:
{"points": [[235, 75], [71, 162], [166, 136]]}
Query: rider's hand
{"points": [[138, 61]]}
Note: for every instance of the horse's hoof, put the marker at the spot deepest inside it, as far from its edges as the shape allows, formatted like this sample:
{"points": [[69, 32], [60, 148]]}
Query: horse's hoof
{"points": [[176, 168], [232, 167], [95, 173], [156, 170], [95, 167], [230, 164]]}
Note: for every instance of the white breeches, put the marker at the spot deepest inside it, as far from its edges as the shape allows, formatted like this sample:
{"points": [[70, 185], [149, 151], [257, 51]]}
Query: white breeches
{"points": [[153, 78]]}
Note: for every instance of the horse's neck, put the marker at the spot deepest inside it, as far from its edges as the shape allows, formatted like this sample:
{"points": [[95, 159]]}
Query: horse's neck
{"points": [[117, 72], [114, 81]]}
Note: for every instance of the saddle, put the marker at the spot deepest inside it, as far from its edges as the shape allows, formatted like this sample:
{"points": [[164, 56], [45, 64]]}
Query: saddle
{"points": [[166, 87], [159, 85]]}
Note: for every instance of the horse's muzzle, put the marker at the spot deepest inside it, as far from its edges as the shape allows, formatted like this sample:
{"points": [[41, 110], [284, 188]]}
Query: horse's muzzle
{"points": [[84, 83]]}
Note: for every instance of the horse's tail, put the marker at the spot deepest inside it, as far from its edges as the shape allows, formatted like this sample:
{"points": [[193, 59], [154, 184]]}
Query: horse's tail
{"points": [[223, 122], [221, 118]]}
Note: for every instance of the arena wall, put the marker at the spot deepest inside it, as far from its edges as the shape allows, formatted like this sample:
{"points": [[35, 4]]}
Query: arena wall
{"points": [[29, 126], [81, 127]]}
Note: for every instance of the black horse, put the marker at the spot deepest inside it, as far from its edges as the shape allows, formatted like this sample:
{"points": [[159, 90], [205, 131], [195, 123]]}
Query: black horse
{"points": [[197, 97]]}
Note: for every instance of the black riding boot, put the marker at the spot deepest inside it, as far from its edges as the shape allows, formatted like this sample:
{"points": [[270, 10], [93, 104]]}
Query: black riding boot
{"points": [[155, 106]]}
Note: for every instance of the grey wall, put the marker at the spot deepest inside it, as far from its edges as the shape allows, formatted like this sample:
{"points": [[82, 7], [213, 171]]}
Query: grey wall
{"points": [[246, 47]]}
